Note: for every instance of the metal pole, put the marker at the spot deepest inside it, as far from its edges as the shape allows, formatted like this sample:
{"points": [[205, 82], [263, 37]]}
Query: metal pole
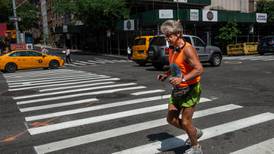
{"points": [[16, 22]]}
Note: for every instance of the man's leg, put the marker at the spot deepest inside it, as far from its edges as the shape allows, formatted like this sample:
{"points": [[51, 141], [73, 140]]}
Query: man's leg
{"points": [[173, 116], [187, 125]]}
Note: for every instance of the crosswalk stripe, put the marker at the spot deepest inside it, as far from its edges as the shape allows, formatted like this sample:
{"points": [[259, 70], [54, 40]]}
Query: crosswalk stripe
{"points": [[211, 132], [97, 107], [76, 86], [73, 90], [108, 105], [91, 120], [78, 95], [42, 107], [76, 141], [266, 147], [147, 92], [85, 62], [42, 72], [64, 76], [65, 84], [56, 82], [38, 74], [98, 62]]}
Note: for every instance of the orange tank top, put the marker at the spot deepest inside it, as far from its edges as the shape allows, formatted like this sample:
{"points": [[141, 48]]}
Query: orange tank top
{"points": [[177, 61]]}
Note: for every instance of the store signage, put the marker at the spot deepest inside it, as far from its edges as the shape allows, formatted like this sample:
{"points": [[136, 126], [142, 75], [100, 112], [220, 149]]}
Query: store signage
{"points": [[194, 15], [165, 14], [128, 25], [209, 15], [261, 17]]}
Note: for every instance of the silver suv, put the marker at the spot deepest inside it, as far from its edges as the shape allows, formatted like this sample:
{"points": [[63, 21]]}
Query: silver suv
{"points": [[158, 53]]}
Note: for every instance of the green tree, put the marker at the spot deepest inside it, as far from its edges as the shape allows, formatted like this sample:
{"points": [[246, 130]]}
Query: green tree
{"points": [[266, 6], [228, 33], [5, 10], [29, 16], [96, 14]]}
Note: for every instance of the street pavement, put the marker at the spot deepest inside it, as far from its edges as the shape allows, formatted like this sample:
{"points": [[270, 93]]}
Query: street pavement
{"points": [[100, 105]]}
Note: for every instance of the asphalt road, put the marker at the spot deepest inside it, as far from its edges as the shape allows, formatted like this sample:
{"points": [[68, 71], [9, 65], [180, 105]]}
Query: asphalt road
{"points": [[106, 104]]}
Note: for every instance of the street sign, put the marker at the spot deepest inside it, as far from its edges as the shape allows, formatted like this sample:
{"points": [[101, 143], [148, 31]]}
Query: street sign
{"points": [[14, 19]]}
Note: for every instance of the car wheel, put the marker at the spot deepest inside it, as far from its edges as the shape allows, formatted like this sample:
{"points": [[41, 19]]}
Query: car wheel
{"points": [[53, 64], [216, 60], [10, 68]]}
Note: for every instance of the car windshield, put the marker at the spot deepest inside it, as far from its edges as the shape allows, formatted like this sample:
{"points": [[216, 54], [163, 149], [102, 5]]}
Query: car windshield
{"points": [[159, 41], [141, 41]]}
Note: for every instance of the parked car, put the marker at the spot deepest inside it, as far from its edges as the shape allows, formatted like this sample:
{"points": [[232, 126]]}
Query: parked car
{"points": [[266, 45], [140, 49], [158, 51], [28, 59]]}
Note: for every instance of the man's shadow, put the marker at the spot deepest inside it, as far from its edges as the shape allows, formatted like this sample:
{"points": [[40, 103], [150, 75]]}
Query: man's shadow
{"points": [[167, 140]]}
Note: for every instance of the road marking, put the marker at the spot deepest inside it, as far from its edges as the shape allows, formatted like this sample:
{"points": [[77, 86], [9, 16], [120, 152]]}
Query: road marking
{"points": [[42, 72], [78, 95], [76, 86], [266, 147], [80, 140], [97, 107], [65, 84], [74, 90], [91, 120], [211, 132], [64, 76], [42, 107], [56, 82], [147, 92]]}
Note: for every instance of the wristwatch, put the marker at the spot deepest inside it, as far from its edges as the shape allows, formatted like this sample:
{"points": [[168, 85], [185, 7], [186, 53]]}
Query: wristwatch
{"points": [[183, 80]]}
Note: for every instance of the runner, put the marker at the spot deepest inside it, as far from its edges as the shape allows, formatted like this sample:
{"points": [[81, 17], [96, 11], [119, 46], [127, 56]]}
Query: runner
{"points": [[185, 71]]}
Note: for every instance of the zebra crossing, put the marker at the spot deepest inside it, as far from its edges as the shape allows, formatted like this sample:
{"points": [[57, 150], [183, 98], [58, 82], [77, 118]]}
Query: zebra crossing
{"points": [[251, 58], [96, 61], [64, 100]]}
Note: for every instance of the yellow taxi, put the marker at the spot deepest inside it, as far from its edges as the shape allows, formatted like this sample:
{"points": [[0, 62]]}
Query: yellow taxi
{"points": [[140, 49], [28, 59]]}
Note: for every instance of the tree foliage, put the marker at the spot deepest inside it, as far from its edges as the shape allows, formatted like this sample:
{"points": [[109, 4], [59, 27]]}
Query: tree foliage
{"points": [[227, 34], [96, 14], [266, 6], [5, 10], [29, 16], [27, 12]]}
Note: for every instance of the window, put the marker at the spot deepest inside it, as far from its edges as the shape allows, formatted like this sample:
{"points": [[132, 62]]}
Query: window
{"points": [[19, 54], [161, 41], [198, 42], [141, 41], [33, 53], [187, 39]]}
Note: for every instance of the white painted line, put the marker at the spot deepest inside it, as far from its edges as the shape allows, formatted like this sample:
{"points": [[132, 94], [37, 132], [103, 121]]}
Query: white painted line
{"points": [[92, 120], [98, 62], [147, 92], [76, 141], [77, 86], [56, 82], [97, 107], [43, 107], [79, 64], [78, 95], [109, 116], [266, 147], [84, 62], [65, 84], [73, 91], [42, 72], [211, 132], [64, 76]]}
